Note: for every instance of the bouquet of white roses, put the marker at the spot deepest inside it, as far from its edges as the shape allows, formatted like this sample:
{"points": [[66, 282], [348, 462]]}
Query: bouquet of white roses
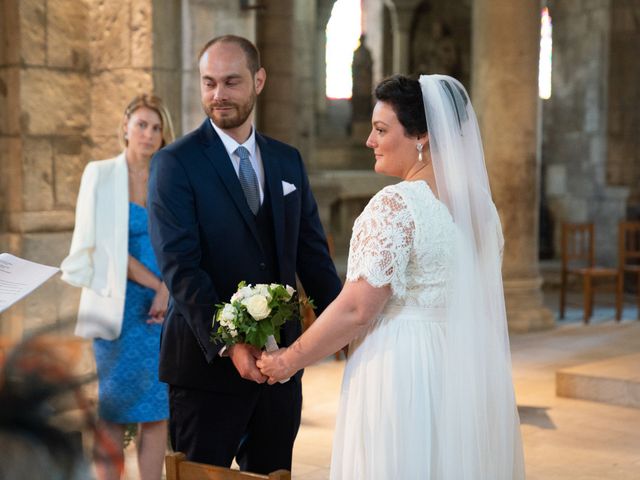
{"points": [[255, 314]]}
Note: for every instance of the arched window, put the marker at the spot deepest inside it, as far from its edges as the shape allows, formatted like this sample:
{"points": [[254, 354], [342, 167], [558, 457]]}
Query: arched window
{"points": [[544, 69], [343, 35]]}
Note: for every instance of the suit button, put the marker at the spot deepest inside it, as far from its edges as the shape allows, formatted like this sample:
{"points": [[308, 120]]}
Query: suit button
{"points": [[263, 266]]}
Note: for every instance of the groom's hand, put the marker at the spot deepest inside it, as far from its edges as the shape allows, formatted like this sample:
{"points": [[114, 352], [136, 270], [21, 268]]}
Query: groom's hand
{"points": [[244, 358]]}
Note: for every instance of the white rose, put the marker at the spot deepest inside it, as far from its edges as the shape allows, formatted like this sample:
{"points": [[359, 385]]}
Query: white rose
{"points": [[257, 306], [262, 289], [228, 314], [290, 290], [244, 292]]}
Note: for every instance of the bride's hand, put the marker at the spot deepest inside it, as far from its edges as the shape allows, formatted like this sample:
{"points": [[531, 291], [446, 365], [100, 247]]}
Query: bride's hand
{"points": [[274, 366]]}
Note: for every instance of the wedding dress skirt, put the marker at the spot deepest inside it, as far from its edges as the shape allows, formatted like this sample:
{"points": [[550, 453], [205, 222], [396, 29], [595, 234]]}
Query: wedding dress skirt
{"points": [[391, 392]]}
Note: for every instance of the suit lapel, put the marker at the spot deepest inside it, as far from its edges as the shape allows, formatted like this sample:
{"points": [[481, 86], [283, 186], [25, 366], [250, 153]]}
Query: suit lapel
{"points": [[273, 182], [217, 154]]}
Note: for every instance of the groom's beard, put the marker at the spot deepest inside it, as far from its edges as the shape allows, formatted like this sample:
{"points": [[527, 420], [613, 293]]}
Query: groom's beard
{"points": [[236, 114]]}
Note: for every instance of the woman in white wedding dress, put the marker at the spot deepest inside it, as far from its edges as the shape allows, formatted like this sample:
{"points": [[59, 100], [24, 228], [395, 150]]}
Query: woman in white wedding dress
{"points": [[427, 390]]}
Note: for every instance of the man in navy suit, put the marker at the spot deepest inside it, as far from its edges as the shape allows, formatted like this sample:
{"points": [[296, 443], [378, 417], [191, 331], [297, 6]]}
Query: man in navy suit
{"points": [[228, 204]]}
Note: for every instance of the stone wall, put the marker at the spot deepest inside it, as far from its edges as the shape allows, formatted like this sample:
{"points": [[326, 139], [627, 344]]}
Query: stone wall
{"points": [[623, 149], [574, 131], [67, 70], [46, 64], [132, 50]]}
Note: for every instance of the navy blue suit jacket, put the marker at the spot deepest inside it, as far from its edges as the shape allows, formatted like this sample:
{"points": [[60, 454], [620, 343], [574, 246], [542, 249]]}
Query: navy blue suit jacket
{"points": [[205, 240]]}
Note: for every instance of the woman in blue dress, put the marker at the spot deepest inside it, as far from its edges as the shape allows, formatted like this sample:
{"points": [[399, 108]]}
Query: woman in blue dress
{"points": [[123, 298]]}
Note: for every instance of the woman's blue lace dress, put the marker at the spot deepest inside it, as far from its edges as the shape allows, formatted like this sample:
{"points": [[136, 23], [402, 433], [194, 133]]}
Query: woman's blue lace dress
{"points": [[129, 389]]}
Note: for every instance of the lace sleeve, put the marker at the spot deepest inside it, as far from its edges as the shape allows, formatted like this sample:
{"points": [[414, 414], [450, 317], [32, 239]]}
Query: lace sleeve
{"points": [[381, 242]]}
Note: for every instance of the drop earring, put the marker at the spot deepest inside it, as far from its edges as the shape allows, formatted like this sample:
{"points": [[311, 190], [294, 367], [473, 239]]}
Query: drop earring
{"points": [[419, 147]]}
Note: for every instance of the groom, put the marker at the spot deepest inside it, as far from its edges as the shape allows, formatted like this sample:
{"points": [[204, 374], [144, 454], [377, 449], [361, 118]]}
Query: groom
{"points": [[228, 204]]}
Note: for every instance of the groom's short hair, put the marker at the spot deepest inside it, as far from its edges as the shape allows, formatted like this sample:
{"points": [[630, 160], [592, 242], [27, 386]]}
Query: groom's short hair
{"points": [[250, 50]]}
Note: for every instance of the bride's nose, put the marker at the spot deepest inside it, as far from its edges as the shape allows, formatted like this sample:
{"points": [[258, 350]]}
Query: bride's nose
{"points": [[370, 141]]}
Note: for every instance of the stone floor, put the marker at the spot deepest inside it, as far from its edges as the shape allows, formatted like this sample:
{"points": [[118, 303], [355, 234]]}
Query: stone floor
{"points": [[563, 438]]}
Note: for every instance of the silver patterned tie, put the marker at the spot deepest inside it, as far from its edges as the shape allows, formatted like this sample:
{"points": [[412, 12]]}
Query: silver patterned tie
{"points": [[248, 180]]}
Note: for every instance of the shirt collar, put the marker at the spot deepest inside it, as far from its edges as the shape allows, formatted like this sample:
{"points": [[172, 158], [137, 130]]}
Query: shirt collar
{"points": [[230, 143]]}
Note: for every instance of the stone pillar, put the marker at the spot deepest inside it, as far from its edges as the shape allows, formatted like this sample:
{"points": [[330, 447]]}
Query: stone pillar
{"points": [[323, 14], [505, 96], [402, 13], [286, 38], [373, 23], [362, 98]]}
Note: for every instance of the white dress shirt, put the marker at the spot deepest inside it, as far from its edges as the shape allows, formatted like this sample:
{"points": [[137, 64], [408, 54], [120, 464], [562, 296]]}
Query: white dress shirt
{"points": [[254, 154]]}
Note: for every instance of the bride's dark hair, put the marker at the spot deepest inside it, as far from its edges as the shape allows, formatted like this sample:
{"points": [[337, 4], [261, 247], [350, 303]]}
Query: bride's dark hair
{"points": [[405, 97]]}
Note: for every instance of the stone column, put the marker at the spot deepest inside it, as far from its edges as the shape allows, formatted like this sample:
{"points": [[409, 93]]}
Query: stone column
{"points": [[286, 38], [402, 12], [323, 14], [362, 98], [504, 95]]}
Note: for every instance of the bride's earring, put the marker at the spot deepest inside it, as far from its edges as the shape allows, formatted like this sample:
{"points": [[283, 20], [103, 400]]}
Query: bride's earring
{"points": [[419, 147]]}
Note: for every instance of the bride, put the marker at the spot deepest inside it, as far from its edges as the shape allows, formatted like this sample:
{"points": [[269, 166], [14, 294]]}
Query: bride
{"points": [[427, 390]]}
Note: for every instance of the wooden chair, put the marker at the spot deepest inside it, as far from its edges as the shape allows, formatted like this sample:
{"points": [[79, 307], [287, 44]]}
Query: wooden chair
{"points": [[629, 255], [179, 468], [578, 258]]}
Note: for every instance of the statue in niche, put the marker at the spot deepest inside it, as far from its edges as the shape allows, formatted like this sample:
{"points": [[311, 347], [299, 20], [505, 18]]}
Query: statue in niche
{"points": [[362, 69], [434, 49]]}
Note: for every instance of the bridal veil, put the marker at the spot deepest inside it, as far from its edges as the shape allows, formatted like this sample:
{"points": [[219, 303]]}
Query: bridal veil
{"points": [[479, 437]]}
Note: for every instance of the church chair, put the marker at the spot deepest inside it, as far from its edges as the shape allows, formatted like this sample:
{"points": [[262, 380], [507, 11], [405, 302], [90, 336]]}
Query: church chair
{"points": [[179, 468], [629, 256], [578, 258]]}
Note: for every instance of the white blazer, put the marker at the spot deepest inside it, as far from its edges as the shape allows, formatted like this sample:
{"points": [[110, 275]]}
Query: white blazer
{"points": [[98, 257]]}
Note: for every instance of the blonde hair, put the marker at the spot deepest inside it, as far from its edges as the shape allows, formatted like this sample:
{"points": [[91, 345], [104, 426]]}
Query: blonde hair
{"points": [[153, 103]]}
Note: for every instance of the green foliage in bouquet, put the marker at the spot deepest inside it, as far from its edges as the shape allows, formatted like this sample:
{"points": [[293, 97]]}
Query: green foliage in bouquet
{"points": [[255, 312]]}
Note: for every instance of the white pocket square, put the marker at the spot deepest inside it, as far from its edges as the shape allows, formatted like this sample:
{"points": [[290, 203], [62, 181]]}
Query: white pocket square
{"points": [[287, 188]]}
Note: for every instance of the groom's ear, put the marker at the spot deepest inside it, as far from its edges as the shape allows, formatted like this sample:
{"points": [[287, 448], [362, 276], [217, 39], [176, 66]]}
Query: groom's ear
{"points": [[259, 79]]}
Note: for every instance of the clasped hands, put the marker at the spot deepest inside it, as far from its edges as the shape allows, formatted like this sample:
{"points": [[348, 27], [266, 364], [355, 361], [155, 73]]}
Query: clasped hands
{"points": [[258, 366]]}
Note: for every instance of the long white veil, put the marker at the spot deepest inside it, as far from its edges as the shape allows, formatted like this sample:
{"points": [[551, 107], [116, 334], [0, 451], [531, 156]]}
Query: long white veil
{"points": [[479, 437]]}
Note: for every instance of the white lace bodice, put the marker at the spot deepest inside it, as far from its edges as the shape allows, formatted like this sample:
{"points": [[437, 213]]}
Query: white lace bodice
{"points": [[404, 238]]}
